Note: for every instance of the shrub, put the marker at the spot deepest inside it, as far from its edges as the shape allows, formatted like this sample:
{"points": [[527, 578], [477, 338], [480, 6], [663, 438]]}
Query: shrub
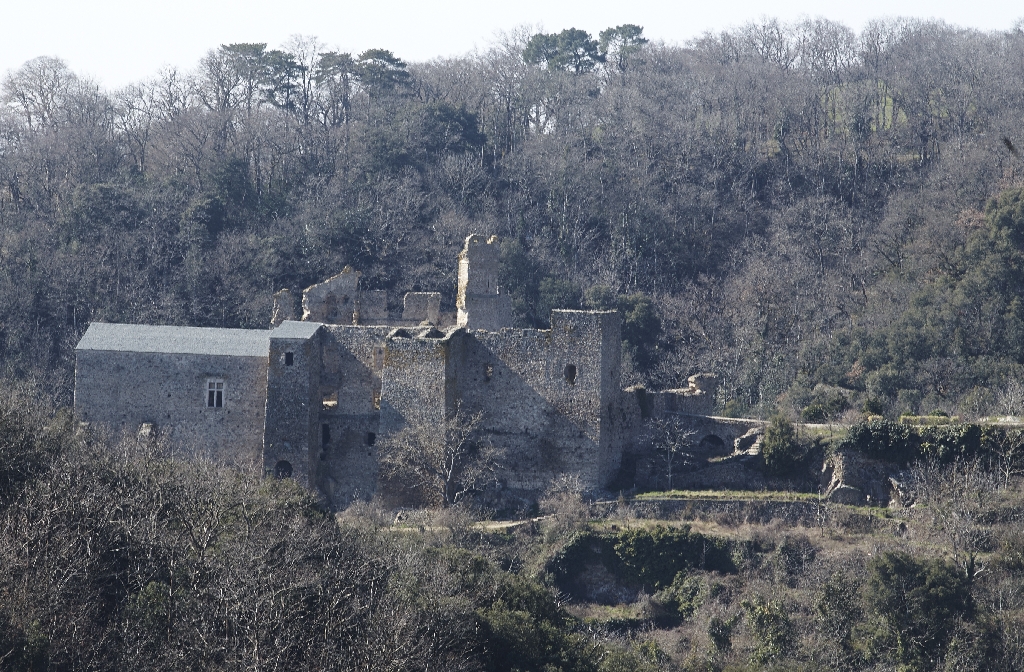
{"points": [[656, 556], [919, 603], [825, 406], [684, 596], [904, 443], [883, 440], [773, 632], [781, 450]]}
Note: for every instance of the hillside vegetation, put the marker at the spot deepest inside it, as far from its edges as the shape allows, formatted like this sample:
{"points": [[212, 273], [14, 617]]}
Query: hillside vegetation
{"points": [[793, 207], [122, 557]]}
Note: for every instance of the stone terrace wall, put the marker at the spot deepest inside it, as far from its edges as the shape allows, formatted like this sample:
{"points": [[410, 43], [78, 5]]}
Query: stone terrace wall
{"points": [[123, 390]]}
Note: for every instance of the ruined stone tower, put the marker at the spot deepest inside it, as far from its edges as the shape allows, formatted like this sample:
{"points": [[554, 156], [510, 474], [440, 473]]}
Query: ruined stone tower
{"points": [[480, 302]]}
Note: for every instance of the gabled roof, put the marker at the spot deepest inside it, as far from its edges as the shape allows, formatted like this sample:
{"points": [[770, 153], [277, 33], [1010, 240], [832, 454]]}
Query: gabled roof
{"points": [[176, 340]]}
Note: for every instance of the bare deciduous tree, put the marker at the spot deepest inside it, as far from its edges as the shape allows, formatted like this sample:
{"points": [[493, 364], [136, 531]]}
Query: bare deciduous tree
{"points": [[672, 443], [957, 496], [444, 457]]}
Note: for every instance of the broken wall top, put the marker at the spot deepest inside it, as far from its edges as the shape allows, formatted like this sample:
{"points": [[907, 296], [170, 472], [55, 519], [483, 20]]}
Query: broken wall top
{"points": [[339, 300]]}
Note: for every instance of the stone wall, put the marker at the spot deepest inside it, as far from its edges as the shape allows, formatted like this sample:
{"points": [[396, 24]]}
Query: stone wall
{"points": [[547, 396], [293, 398], [480, 303], [420, 307], [418, 378], [340, 300], [124, 390], [350, 386]]}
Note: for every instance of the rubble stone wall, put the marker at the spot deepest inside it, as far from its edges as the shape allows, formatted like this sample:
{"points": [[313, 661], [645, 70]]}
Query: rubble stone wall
{"points": [[546, 396], [124, 390], [292, 408], [352, 365]]}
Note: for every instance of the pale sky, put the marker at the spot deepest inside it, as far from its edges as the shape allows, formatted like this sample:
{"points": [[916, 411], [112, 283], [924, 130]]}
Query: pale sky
{"points": [[117, 42]]}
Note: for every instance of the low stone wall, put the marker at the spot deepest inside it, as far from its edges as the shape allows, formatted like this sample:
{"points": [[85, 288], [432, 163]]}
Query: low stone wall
{"points": [[805, 513]]}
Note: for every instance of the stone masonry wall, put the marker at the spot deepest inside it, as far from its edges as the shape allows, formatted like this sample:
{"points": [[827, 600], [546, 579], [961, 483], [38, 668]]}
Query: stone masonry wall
{"points": [[350, 385], [421, 307], [293, 402], [480, 303], [123, 390], [545, 396], [417, 378]]}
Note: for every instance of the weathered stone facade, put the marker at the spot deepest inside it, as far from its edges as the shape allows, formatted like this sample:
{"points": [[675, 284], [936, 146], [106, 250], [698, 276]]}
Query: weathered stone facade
{"points": [[160, 376], [315, 399]]}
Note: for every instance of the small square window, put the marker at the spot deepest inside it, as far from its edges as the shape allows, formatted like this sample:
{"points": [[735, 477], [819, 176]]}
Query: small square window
{"points": [[215, 394], [289, 358]]}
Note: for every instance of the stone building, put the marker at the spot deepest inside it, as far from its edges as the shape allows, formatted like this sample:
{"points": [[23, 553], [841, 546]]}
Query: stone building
{"points": [[313, 399]]}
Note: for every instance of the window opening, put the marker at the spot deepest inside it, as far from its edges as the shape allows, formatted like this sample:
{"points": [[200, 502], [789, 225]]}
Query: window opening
{"points": [[215, 394], [330, 400], [283, 469], [371, 438], [570, 374], [325, 434], [289, 358]]}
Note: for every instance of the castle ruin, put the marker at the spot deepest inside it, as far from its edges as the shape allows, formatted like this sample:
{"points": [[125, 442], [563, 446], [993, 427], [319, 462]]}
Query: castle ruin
{"points": [[315, 398]]}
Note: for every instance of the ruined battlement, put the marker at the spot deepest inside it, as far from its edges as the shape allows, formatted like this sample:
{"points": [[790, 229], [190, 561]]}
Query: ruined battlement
{"points": [[340, 300]]}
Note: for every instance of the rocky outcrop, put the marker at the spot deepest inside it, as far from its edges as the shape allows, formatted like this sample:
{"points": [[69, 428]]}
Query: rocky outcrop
{"points": [[851, 478], [749, 443]]}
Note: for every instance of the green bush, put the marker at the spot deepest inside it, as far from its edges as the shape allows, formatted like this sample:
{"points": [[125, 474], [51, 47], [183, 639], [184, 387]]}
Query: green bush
{"points": [[780, 448], [883, 440], [825, 406], [920, 603], [526, 629], [643, 558], [684, 596], [638, 657], [774, 636], [655, 556], [904, 443]]}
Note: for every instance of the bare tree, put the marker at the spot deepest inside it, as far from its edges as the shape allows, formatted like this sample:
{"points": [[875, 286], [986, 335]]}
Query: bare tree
{"points": [[672, 443], [446, 458], [957, 496]]}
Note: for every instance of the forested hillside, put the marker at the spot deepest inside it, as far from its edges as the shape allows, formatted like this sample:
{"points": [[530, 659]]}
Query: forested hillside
{"points": [[784, 205]]}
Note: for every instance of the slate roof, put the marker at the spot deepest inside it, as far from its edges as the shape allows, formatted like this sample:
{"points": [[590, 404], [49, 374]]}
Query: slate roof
{"points": [[176, 340], [293, 329]]}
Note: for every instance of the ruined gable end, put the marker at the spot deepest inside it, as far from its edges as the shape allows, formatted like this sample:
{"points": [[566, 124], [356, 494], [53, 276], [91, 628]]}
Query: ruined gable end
{"points": [[480, 303], [340, 300]]}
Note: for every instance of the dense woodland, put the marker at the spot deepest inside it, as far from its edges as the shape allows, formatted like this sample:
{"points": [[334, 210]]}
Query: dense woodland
{"points": [[793, 207]]}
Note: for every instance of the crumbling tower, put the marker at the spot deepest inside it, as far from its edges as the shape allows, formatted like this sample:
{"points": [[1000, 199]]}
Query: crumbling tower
{"points": [[480, 301]]}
